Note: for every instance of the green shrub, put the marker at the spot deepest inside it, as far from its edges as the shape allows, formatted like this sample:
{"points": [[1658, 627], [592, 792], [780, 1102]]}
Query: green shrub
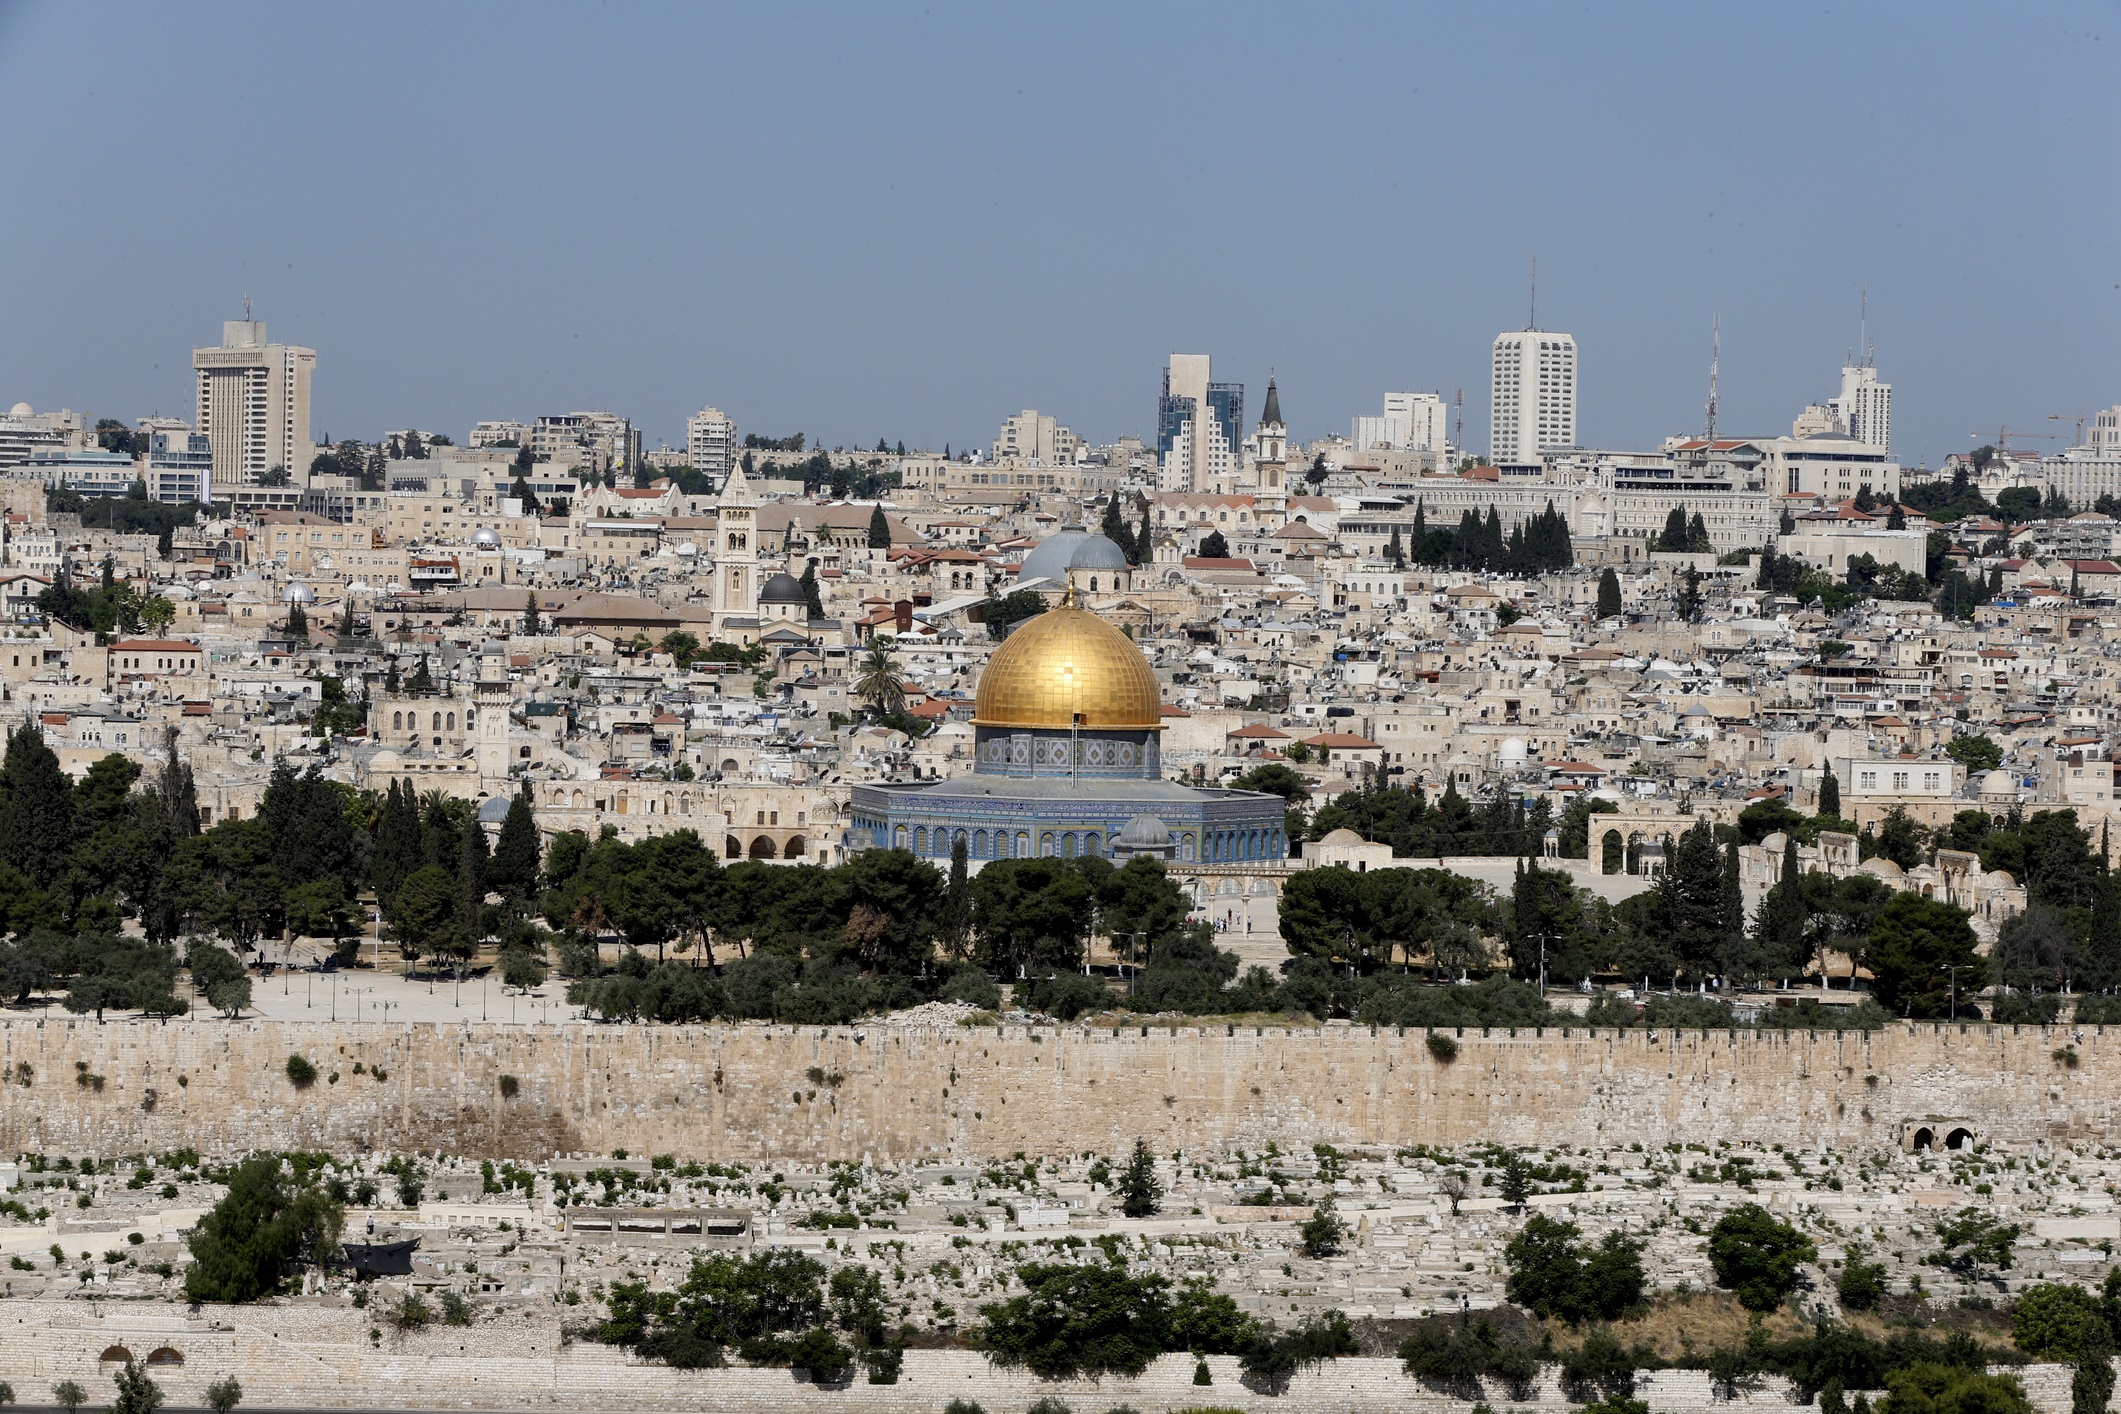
{"points": [[819, 1351], [1555, 1275], [1862, 1283], [301, 1072], [1444, 1048], [1757, 1256], [266, 1226]]}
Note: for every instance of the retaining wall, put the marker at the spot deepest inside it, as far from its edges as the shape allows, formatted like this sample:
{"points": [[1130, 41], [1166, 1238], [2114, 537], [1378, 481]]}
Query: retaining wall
{"points": [[899, 1093], [317, 1358]]}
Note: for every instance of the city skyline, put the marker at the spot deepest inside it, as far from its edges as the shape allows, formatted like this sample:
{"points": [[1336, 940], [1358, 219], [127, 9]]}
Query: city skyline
{"points": [[866, 267]]}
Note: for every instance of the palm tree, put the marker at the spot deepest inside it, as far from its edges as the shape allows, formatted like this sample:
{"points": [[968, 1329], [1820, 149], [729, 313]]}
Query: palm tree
{"points": [[879, 684]]}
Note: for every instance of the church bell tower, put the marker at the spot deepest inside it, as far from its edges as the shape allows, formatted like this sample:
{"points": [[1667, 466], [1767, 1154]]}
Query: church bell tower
{"points": [[1271, 464]]}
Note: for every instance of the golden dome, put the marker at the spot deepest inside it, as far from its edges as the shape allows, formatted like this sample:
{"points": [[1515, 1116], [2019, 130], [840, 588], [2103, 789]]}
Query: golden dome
{"points": [[1064, 662]]}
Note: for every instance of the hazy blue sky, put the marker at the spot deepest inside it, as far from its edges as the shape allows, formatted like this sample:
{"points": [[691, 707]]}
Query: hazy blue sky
{"points": [[909, 221]]}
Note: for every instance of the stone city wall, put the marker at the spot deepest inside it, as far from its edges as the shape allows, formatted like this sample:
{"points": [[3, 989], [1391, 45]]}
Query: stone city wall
{"points": [[898, 1093]]}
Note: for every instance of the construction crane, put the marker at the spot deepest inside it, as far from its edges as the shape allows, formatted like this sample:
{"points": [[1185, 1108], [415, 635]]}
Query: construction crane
{"points": [[2079, 417], [2004, 435]]}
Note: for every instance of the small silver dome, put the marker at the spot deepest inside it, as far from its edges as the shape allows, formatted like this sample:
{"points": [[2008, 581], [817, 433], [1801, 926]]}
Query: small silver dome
{"points": [[486, 538], [1143, 832], [300, 594]]}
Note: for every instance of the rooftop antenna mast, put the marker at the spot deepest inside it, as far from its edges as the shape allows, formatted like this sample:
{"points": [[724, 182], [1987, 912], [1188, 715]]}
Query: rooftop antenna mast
{"points": [[246, 306], [1532, 318], [1863, 327], [1708, 451], [1458, 428]]}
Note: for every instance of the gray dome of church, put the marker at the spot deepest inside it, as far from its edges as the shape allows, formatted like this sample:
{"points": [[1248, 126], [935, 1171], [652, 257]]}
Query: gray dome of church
{"points": [[783, 588], [1071, 549]]}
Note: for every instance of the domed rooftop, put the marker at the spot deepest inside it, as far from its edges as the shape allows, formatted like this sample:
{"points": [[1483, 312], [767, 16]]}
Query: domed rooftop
{"points": [[783, 588], [21, 410], [1068, 661], [301, 594], [485, 537], [1343, 836], [1999, 782], [1071, 549], [1143, 832]]}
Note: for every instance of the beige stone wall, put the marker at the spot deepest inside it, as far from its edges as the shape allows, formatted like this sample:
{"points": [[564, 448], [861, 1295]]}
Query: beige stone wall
{"points": [[906, 1093]]}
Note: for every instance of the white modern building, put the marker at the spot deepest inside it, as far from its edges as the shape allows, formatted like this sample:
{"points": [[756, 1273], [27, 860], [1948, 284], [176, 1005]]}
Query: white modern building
{"points": [[1199, 427], [2105, 434], [1411, 422], [1035, 439], [1534, 396], [180, 468], [710, 443], [254, 403], [1865, 405], [500, 433], [595, 441]]}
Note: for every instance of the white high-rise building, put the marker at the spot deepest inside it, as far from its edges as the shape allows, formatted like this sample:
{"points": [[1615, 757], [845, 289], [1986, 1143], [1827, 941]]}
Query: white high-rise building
{"points": [[1534, 408], [2105, 434], [1199, 426], [254, 404], [710, 443], [1865, 406], [1412, 422]]}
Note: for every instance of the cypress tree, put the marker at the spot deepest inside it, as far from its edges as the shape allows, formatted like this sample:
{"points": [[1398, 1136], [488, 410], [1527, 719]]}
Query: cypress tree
{"points": [[1674, 537], [177, 793], [1144, 539], [36, 807], [957, 904], [439, 836], [811, 602], [1114, 529], [1421, 519], [1141, 1194], [531, 625], [1396, 552], [1697, 535], [514, 868], [879, 530], [471, 867], [1830, 795], [397, 851], [1733, 894], [1609, 605]]}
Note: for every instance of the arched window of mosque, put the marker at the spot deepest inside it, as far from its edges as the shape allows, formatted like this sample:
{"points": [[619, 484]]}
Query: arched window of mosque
{"points": [[452, 721], [397, 721]]}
